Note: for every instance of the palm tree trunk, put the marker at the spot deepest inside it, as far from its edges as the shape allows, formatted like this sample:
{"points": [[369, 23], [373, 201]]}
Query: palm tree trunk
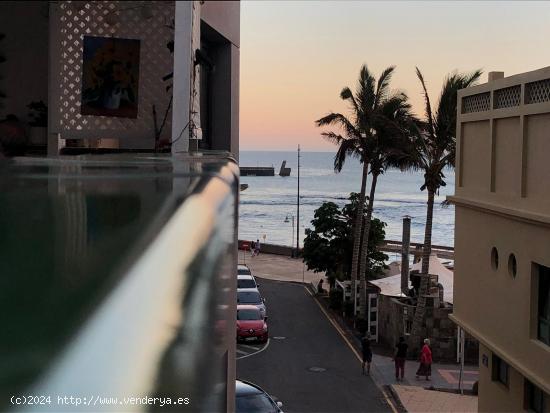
{"points": [[424, 280], [357, 229], [364, 251]]}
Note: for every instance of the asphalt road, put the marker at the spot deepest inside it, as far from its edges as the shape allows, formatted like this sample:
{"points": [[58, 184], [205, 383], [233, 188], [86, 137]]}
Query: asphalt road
{"points": [[310, 341]]}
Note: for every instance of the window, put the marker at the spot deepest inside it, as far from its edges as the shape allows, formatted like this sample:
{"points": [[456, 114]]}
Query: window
{"points": [[512, 265], [500, 370], [373, 302], [494, 258], [373, 316], [543, 313], [535, 399]]}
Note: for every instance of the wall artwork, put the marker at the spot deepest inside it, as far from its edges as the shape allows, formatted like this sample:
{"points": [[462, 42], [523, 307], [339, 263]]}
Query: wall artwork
{"points": [[110, 78]]}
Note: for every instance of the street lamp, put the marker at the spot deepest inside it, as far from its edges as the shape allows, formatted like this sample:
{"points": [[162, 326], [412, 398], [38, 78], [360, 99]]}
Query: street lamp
{"points": [[286, 221]]}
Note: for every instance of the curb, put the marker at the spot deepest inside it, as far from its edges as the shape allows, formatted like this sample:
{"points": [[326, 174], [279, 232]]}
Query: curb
{"points": [[399, 405]]}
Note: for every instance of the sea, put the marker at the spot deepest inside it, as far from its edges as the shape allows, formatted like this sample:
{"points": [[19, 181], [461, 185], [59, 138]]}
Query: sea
{"points": [[268, 204]]}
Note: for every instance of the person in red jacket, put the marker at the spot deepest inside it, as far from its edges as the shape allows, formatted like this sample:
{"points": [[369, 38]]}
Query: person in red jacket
{"points": [[425, 368]]}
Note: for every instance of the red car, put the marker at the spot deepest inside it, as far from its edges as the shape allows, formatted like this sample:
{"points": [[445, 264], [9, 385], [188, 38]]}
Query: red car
{"points": [[251, 325]]}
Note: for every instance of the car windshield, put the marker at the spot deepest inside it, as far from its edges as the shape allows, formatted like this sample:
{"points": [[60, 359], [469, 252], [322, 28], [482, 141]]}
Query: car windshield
{"points": [[255, 403], [248, 297], [243, 271], [246, 283], [248, 315]]}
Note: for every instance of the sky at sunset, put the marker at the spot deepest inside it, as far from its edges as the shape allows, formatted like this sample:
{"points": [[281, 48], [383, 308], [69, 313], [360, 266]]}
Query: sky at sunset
{"points": [[297, 56]]}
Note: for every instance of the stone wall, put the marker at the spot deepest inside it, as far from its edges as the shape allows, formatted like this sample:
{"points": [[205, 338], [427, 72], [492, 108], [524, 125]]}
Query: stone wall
{"points": [[439, 328]]}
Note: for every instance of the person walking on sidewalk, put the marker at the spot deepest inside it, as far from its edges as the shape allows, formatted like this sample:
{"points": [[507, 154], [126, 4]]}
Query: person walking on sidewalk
{"points": [[425, 368], [399, 358], [256, 248], [367, 352]]}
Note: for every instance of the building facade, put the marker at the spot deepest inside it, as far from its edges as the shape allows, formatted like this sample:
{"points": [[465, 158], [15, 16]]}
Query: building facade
{"points": [[502, 260]]}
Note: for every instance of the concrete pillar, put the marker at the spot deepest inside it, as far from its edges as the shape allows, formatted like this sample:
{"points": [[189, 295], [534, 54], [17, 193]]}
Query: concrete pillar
{"points": [[406, 243], [494, 76], [181, 88]]}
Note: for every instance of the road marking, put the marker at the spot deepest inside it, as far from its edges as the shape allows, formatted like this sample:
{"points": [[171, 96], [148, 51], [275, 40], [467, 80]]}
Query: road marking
{"points": [[342, 334], [241, 352], [257, 352], [250, 347]]}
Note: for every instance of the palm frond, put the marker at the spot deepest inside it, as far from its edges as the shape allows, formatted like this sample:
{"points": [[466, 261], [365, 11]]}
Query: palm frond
{"points": [[428, 106], [383, 85], [340, 120], [347, 94]]}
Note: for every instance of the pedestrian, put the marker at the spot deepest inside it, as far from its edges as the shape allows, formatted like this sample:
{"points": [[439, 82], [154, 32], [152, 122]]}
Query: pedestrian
{"points": [[425, 368], [399, 358], [252, 248], [257, 248], [320, 289], [367, 352]]}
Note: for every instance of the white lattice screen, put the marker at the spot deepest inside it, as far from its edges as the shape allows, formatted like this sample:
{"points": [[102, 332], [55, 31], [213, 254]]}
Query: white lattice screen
{"points": [[476, 103], [147, 21]]}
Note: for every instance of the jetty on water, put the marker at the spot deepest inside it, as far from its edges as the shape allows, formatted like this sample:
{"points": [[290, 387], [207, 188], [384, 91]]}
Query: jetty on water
{"points": [[264, 170]]}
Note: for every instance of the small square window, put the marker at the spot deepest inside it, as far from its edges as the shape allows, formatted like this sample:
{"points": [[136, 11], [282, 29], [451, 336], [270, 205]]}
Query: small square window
{"points": [[500, 370], [535, 399]]}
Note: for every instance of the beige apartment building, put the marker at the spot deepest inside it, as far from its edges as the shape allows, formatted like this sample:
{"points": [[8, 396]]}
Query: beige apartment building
{"points": [[502, 245]]}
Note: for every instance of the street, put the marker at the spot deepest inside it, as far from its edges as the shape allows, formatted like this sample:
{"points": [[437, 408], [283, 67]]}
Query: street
{"points": [[306, 364]]}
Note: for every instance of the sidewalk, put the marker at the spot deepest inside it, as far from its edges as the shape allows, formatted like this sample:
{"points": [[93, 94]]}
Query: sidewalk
{"points": [[418, 400], [413, 394]]}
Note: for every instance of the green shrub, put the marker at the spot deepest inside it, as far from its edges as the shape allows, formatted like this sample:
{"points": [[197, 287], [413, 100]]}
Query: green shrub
{"points": [[335, 299]]}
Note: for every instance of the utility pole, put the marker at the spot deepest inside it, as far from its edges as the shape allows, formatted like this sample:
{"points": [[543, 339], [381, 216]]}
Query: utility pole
{"points": [[298, 207]]}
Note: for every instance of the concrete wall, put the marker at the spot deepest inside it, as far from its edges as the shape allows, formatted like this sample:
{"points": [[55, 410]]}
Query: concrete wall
{"points": [[494, 396], [25, 73], [439, 328], [502, 202], [222, 19]]}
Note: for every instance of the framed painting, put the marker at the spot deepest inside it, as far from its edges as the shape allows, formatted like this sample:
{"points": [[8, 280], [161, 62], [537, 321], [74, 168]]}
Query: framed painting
{"points": [[110, 77]]}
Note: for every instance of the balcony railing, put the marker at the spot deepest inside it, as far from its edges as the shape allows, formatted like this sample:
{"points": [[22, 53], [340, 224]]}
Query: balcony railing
{"points": [[117, 285]]}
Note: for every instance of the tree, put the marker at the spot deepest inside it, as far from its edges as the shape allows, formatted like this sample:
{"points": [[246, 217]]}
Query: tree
{"points": [[389, 127], [328, 247], [370, 106], [433, 151]]}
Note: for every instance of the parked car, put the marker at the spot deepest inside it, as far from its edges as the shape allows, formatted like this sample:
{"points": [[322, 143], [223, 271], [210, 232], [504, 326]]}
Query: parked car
{"points": [[250, 398], [252, 296], [251, 324], [246, 281], [243, 270]]}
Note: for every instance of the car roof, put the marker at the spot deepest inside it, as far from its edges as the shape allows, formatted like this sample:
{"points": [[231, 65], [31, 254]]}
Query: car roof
{"points": [[245, 277], [243, 267], [247, 307], [244, 388], [248, 290]]}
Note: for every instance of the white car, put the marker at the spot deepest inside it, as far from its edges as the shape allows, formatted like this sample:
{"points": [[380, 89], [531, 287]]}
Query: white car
{"points": [[246, 281], [243, 270], [253, 297]]}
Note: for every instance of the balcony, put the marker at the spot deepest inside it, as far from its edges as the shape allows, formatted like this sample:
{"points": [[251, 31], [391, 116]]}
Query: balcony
{"points": [[117, 279]]}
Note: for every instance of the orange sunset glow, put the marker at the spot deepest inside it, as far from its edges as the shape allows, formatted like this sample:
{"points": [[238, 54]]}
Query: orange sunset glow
{"points": [[297, 56]]}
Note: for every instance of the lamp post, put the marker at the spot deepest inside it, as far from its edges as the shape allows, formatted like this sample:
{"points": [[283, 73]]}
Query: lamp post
{"points": [[286, 221], [298, 207]]}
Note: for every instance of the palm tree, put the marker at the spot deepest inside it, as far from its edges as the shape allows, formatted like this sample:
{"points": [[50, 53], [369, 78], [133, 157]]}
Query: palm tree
{"points": [[435, 150], [378, 115], [354, 143], [390, 132]]}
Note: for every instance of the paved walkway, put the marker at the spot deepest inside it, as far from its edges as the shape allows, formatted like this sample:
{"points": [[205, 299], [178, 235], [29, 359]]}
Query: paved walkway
{"points": [[417, 400], [279, 268], [413, 393]]}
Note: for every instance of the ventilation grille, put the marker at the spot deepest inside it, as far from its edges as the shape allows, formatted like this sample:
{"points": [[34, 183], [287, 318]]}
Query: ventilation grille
{"points": [[476, 103], [127, 20], [537, 92], [507, 97]]}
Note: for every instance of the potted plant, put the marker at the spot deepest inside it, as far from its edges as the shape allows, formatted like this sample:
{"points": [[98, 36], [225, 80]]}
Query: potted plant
{"points": [[38, 122]]}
